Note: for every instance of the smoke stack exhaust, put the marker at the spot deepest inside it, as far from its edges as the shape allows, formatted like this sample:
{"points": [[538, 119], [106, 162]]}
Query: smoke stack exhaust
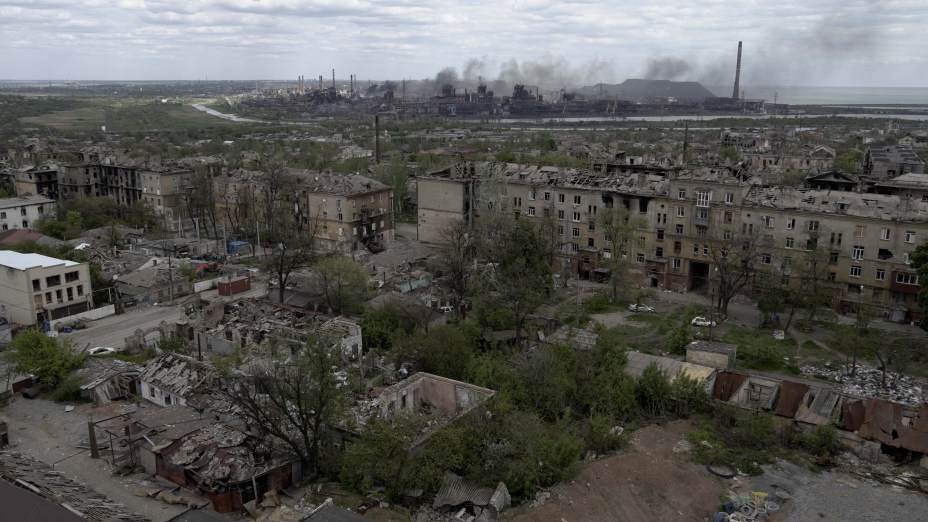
{"points": [[737, 89]]}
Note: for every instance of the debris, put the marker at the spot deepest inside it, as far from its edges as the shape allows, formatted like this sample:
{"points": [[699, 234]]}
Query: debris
{"points": [[69, 408], [684, 446]]}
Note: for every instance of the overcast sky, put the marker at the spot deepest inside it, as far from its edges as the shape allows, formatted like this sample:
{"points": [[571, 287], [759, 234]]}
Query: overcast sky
{"points": [[581, 42]]}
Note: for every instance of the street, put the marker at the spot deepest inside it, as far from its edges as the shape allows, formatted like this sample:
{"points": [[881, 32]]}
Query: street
{"points": [[113, 330]]}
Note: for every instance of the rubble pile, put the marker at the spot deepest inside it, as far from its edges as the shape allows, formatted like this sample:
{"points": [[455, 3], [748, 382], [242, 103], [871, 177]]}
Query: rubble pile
{"points": [[868, 382]]}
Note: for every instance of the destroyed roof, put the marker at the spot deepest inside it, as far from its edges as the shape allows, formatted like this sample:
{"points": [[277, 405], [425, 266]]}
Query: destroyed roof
{"points": [[25, 506], [16, 236], [335, 183], [874, 206], [24, 471], [217, 453], [151, 277], [97, 370], [181, 375], [456, 491]]}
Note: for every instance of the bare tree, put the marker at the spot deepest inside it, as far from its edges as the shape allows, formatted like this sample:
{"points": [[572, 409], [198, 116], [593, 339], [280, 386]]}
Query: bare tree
{"points": [[735, 255], [457, 261], [289, 234], [620, 231], [293, 395], [200, 199]]}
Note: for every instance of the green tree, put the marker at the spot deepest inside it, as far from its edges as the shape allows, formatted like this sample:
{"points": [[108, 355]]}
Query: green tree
{"points": [[653, 391], [50, 359], [919, 261], [523, 276], [730, 154], [380, 326], [849, 161], [343, 284], [444, 351]]}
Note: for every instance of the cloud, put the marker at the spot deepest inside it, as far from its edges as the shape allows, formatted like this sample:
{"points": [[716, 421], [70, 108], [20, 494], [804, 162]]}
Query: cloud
{"points": [[541, 42]]}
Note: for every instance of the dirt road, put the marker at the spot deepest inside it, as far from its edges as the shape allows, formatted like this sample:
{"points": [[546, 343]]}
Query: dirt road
{"points": [[45, 431], [647, 482]]}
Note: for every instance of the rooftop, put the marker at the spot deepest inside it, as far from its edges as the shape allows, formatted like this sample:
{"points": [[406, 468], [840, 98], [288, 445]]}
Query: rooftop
{"points": [[24, 200], [20, 261]]}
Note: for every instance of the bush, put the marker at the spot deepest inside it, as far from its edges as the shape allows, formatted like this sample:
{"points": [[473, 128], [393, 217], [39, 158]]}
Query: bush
{"points": [[599, 436], [756, 431], [69, 391], [653, 391], [823, 440]]}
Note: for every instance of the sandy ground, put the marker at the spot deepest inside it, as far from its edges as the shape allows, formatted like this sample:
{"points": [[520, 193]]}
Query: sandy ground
{"points": [[43, 430], [647, 482]]}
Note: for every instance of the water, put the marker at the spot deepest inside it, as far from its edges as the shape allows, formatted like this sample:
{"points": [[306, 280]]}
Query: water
{"points": [[805, 95]]}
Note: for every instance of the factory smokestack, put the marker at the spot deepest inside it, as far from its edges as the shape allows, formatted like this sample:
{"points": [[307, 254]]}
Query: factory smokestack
{"points": [[734, 94]]}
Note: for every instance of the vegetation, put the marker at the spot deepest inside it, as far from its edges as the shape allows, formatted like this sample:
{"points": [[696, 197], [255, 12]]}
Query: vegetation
{"points": [[50, 359]]}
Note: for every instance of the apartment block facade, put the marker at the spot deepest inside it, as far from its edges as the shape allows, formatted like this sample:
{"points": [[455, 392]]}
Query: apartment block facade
{"points": [[865, 239], [23, 212], [36, 288], [348, 211]]}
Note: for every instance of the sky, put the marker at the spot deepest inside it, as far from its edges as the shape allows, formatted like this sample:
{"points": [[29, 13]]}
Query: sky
{"points": [[550, 43]]}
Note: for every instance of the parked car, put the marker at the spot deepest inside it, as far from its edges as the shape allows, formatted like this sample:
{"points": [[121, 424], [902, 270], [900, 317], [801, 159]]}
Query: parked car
{"points": [[101, 350], [640, 308], [702, 321], [447, 309]]}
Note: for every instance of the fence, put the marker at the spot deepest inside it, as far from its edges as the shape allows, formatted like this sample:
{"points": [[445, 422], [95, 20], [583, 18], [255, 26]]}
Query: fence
{"points": [[89, 315]]}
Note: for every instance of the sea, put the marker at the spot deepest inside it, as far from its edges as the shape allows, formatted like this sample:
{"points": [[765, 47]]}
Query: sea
{"points": [[872, 97]]}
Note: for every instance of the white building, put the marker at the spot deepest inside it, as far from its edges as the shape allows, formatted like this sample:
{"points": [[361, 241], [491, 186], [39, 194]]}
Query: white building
{"points": [[36, 288], [22, 212], [174, 379]]}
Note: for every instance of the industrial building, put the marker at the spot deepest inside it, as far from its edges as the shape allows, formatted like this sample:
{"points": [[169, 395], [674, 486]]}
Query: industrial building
{"points": [[36, 288]]}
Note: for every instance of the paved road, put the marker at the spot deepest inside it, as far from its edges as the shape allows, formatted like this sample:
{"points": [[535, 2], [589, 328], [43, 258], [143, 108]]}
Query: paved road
{"points": [[112, 331]]}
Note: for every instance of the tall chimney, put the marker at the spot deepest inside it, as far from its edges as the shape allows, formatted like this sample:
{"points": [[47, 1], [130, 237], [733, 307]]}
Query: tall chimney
{"points": [[377, 139], [333, 78], [737, 89]]}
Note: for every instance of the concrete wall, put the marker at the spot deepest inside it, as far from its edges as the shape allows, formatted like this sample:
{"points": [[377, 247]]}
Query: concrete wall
{"points": [[712, 359], [441, 202], [89, 315], [211, 344], [442, 394], [206, 284]]}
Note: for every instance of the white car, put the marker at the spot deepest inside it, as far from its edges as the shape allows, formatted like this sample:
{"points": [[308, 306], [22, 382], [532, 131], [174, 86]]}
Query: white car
{"points": [[447, 309], [702, 321], [640, 308], [101, 350]]}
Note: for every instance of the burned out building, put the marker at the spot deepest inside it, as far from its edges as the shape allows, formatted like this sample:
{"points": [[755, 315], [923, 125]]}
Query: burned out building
{"points": [[869, 237]]}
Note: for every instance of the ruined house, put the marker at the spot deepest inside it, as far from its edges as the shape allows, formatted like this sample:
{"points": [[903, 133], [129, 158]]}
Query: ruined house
{"points": [[174, 379], [106, 379], [227, 466]]}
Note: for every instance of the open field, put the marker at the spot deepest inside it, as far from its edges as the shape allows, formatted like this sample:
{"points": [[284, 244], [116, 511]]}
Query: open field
{"points": [[130, 118]]}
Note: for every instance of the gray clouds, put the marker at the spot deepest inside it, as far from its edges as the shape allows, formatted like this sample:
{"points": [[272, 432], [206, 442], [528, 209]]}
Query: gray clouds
{"points": [[536, 42]]}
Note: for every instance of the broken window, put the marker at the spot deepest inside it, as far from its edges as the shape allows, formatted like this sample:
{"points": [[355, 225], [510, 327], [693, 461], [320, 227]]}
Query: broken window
{"points": [[884, 254]]}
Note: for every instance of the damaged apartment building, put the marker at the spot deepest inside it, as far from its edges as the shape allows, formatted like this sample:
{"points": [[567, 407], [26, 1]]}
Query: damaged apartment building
{"points": [[344, 212], [868, 237]]}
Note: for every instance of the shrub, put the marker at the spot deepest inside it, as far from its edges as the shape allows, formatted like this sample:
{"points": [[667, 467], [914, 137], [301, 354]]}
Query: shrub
{"points": [[68, 391], [653, 391], [823, 440], [756, 430]]}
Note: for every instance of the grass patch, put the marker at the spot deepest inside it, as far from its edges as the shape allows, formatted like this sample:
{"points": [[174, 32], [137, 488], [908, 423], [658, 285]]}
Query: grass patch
{"points": [[658, 323], [758, 350], [142, 117], [600, 303]]}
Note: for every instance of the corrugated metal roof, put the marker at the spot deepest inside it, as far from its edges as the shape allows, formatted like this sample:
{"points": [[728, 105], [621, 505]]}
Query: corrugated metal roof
{"points": [[791, 397]]}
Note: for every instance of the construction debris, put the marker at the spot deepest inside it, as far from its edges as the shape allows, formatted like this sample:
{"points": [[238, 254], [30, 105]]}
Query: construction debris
{"points": [[871, 382]]}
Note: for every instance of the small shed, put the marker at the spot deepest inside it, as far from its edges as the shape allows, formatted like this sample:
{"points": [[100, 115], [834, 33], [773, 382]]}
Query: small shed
{"points": [[712, 353]]}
